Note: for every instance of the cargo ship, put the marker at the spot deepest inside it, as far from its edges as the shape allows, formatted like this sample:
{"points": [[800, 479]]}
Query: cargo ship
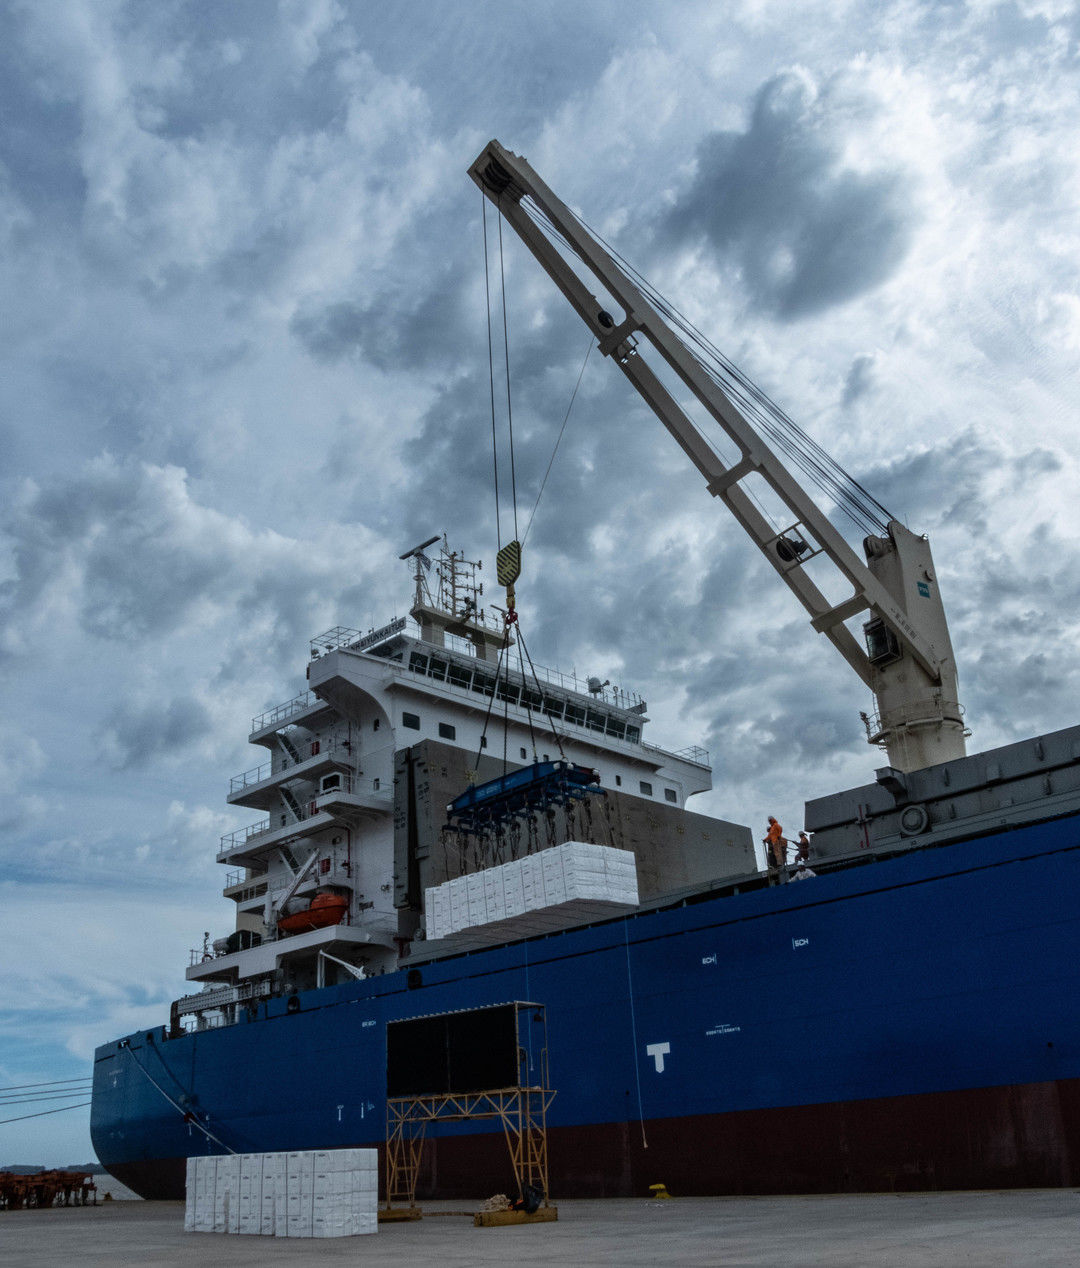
{"points": [[891, 1009]]}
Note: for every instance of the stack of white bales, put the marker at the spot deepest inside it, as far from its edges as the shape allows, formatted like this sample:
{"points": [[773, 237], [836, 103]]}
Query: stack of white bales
{"points": [[565, 885], [312, 1193]]}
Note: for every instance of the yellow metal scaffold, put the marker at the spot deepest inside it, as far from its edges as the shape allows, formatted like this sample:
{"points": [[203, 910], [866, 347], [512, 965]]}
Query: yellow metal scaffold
{"points": [[522, 1111]]}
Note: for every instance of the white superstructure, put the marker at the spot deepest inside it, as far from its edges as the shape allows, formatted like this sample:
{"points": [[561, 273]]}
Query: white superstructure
{"points": [[318, 879]]}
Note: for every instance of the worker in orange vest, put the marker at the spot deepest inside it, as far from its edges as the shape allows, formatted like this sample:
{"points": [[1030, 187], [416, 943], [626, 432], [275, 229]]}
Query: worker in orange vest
{"points": [[775, 844]]}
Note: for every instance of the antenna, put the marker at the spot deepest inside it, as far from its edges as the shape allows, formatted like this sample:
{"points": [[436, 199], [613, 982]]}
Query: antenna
{"points": [[418, 550], [423, 564]]}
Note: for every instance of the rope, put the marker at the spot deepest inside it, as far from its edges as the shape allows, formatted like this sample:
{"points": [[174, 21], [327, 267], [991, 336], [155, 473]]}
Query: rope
{"points": [[633, 1032], [188, 1116], [543, 483]]}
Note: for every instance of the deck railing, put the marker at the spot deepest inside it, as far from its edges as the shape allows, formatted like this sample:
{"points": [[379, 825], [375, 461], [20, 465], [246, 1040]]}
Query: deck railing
{"points": [[349, 786], [282, 712]]}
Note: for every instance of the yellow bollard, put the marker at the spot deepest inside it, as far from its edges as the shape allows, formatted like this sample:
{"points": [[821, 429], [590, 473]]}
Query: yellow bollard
{"points": [[659, 1191]]}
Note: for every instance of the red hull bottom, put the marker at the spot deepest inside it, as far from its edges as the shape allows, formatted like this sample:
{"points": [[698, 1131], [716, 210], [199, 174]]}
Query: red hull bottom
{"points": [[1021, 1136]]}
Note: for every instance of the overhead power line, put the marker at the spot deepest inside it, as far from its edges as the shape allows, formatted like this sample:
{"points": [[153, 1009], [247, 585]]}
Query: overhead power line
{"points": [[17, 1087], [42, 1113]]}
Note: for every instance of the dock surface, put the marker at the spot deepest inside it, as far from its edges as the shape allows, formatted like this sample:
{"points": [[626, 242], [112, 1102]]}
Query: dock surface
{"points": [[1032, 1227]]}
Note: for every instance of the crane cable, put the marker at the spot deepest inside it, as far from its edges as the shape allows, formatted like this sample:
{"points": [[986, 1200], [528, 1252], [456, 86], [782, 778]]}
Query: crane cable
{"points": [[539, 217], [509, 407], [491, 377], [558, 439], [511, 612], [851, 497]]}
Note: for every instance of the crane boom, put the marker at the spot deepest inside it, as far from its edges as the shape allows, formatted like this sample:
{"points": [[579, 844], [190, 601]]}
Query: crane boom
{"points": [[907, 661]]}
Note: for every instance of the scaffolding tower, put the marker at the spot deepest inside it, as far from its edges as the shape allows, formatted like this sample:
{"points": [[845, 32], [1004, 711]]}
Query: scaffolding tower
{"points": [[510, 1039]]}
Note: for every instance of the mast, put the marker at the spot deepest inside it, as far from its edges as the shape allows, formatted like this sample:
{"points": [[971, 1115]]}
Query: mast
{"points": [[907, 660]]}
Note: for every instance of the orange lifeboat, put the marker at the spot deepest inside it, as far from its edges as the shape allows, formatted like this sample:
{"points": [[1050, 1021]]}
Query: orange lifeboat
{"points": [[325, 910]]}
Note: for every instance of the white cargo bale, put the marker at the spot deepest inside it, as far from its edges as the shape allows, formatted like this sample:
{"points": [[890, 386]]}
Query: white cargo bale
{"points": [[273, 1166], [205, 1193], [568, 884], [458, 895], [477, 905], [189, 1195], [513, 893], [280, 1167], [227, 1194], [301, 1180], [251, 1186], [314, 1193]]}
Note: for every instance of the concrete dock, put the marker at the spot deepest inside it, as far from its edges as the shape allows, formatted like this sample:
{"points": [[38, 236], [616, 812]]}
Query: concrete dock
{"points": [[1030, 1227]]}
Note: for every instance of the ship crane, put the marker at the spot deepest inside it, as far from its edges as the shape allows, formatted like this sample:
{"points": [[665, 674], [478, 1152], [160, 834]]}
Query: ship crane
{"points": [[906, 660]]}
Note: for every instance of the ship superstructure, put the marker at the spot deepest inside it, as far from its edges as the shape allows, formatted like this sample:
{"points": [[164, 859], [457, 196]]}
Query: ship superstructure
{"points": [[329, 883]]}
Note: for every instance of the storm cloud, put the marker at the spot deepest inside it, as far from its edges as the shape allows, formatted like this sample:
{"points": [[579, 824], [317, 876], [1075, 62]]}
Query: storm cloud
{"points": [[804, 229]]}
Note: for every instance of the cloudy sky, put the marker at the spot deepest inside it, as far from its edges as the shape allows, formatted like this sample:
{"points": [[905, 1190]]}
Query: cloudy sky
{"points": [[244, 366]]}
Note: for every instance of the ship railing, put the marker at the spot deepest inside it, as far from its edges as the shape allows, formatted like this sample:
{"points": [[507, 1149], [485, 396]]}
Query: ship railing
{"points": [[282, 712], [691, 753], [254, 776], [914, 714], [233, 840], [258, 774], [355, 640], [235, 877], [350, 785], [619, 697], [356, 785]]}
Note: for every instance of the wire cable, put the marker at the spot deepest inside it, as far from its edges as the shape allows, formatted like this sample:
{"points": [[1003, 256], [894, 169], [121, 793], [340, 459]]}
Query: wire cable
{"points": [[491, 373], [42, 1113], [18, 1087], [551, 460], [551, 721], [26, 1098], [850, 497], [491, 705], [509, 407]]}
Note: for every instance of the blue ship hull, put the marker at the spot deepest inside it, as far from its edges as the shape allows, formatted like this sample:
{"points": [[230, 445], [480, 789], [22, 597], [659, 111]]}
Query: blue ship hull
{"points": [[913, 1022]]}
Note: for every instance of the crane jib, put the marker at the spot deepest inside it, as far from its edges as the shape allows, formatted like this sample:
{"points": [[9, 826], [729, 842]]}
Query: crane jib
{"points": [[912, 672]]}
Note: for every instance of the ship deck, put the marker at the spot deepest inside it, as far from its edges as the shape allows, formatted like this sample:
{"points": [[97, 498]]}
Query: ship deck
{"points": [[1035, 1227]]}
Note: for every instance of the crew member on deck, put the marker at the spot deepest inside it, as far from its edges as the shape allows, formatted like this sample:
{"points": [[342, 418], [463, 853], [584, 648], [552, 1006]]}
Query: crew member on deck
{"points": [[775, 844]]}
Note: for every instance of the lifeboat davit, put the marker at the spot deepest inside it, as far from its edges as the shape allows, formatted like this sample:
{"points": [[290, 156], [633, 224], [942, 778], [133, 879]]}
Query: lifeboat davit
{"points": [[325, 910]]}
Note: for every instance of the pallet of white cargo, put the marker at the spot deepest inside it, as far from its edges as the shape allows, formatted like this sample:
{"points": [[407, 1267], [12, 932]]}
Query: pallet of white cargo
{"points": [[563, 885], [311, 1193]]}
